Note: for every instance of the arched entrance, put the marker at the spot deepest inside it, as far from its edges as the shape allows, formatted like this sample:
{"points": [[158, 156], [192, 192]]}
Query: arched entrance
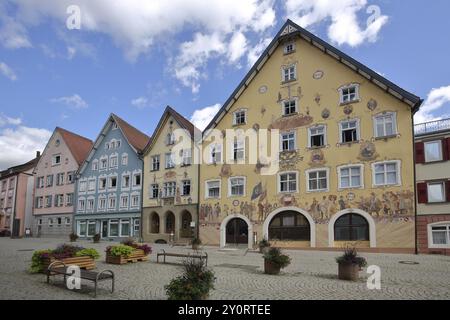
{"points": [[170, 222], [236, 228], [290, 222], [236, 232], [154, 223], [186, 230], [352, 225]]}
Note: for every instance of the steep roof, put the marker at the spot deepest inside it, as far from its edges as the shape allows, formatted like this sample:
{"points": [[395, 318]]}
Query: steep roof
{"points": [[79, 146], [135, 137], [182, 121], [20, 168], [291, 29]]}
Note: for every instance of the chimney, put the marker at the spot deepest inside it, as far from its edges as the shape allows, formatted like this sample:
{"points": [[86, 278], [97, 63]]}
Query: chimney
{"points": [[38, 154]]}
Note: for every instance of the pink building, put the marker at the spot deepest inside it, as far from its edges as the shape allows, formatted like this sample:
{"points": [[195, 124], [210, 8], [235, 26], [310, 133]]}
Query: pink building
{"points": [[55, 182], [16, 199]]}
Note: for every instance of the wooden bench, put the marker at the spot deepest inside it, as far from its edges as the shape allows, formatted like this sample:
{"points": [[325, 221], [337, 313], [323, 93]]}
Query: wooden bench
{"points": [[60, 268], [165, 254]]}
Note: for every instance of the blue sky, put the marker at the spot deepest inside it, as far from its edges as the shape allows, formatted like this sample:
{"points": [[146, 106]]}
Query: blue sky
{"points": [[135, 57]]}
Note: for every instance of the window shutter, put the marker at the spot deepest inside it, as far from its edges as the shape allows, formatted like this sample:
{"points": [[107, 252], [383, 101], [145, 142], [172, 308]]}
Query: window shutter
{"points": [[420, 152], [422, 192], [447, 190]]}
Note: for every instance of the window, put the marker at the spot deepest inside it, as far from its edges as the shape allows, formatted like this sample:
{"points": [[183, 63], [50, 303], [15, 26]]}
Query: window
{"points": [[67, 221], [317, 180], [349, 131], [317, 137], [289, 107], [387, 173], [60, 179], [70, 176], [154, 191], [289, 48], [213, 189], [101, 183], [288, 141], [351, 227], [56, 160], [436, 192], [39, 222], [113, 228], [239, 117], [48, 201], [113, 162], [50, 222], [91, 185], [112, 203], [124, 228], [126, 181], [289, 73], [59, 200], [186, 188], [439, 235], [433, 151], [169, 189], [118, 144], [102, 203], [186, 155], [169, 161], [124, 202], [107, 146], [137, 227], [385, 125], [81, 228], [136, 180], [170, 139], [91, 228], [90, 205], [94, 165], [216, 153], [81, 205], [115, 126], [104, 164], [236, 187], [40, 183], [350, 177], [39, 202], [155, 163], [288, 182], [349, 94], [124, 159], [290, 226], [82, 186], [69, 199], [135, 201], [49, 181], [113, 182], [238, 150]]}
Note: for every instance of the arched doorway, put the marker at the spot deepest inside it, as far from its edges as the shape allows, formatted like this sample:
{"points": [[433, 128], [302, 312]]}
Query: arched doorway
{"points": [[289, 226], [237, 232], [186, 230], [170, 222], [154, 223], [223, 229], [351, 227]]}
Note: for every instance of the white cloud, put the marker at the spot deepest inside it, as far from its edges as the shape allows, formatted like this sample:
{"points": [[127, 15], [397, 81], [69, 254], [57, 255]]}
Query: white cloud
{"points": [[140, 102], [202, 117], [436, 100], [74, 102], [237, 47], [7, 71], [255, 52], [19, 143], [13, 35], [343, 16]]}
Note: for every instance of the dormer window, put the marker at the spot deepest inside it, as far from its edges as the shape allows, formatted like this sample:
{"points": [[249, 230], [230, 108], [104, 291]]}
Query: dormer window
{"points": [[239, 117], [289, 48], [289, 73], [349, 94]]}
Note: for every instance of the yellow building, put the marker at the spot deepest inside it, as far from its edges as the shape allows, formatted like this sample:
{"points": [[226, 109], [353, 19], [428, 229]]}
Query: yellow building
{"points": [[345, 167], [170, 198]]}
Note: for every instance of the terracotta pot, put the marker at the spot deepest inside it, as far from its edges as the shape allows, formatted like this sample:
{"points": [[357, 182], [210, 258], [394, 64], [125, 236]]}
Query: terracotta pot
{"points": [[270, 267], [348, 271]]}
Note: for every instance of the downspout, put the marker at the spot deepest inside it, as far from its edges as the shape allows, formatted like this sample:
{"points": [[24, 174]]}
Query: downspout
{"points": [[141, 225], [15, 208], [198, 187], [415, 178]]}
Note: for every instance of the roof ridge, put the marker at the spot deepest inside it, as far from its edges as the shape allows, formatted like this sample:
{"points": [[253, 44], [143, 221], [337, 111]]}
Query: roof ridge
{"points": [[74, 134]]}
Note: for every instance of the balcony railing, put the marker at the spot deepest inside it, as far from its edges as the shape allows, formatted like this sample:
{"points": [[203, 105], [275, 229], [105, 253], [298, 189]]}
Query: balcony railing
{"points": [[432, 126]]}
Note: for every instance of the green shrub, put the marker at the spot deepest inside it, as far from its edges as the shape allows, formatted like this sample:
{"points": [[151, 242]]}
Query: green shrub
{"points": [[37, 260], [276, 256], [89, 253], [120, 250], [194, 284], [196, 242], [351, 256], [264, 244]]}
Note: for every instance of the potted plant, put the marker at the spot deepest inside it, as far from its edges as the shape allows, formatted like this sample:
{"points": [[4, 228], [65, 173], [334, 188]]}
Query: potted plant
{"points": [[275, 260], [97, 238], [196, 242], [73, 237], [130, 252], [263, 246], [350, 264], [194, 284]]}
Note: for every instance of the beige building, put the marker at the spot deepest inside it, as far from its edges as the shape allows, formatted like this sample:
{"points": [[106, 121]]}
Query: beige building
{"points": [[170, 195], [433, 186]]}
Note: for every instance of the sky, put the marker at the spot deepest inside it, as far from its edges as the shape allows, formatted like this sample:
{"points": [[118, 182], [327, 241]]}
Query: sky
{"points": [[70, 63]]}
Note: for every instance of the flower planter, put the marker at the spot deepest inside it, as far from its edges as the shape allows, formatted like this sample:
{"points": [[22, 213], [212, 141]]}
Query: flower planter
{"points": [[84, 262], [263, 250], [195, 247], [348, 271], [135, 256], [270, 267]]}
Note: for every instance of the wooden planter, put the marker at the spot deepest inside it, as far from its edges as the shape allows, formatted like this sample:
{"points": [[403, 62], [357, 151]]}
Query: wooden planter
{"points": [[348, 271], [86, 262], [270, 267], [135, 256]]}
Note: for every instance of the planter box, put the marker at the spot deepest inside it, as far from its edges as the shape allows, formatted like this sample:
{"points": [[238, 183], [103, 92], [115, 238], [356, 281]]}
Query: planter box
{"points": [[271, 268], [348, 271], [135, 256], [85, 262]]}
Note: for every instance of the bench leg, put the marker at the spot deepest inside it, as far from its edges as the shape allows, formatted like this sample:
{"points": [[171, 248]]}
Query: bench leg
{"points": [[112, 285], [95, 292], [48, 277]]}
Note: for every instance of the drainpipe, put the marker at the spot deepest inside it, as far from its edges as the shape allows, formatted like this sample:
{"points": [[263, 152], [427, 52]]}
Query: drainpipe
{"points": [[15, 207], [198, 187], [141, 224], [415, 185]]}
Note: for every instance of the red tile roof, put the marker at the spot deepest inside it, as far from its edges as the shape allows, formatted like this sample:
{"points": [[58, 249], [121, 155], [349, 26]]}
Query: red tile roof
{"points": [[78, 145], [135, 137]]}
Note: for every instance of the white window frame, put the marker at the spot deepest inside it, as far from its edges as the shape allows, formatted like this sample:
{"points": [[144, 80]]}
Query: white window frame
{"points": [[383, 115], [296, 182], [358, 130], [286, 46], [100, 201], [283, 106], [105, 161], [310, 135], [230, 187], [156, 160], [54, 157], [327, 171], [132, 199], [125, 159], [235, 113], [238, 146], [90, 200], [399, 176], [281, 140], [186, 157], [95, 165], [122, 198], [357, 95], [100, 179], [110, 179], [110, 222], [154, 186], [430, 235], [183, 184], [350, 166], [124, 179], [112, 208], [288, 79], [114, 161], [169, 185], [169, 161], [81, 205], [207, 188], [121, 223], [444, 191], [134, 184], [79, 223], [441, 153], [216, 146]]}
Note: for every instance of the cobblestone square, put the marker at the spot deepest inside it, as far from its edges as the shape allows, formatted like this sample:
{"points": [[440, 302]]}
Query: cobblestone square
{"points": [[311, 275]]}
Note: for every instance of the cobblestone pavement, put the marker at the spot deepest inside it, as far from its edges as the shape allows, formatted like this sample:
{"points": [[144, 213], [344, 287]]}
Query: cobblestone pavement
{"points": [[312, 275]]}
